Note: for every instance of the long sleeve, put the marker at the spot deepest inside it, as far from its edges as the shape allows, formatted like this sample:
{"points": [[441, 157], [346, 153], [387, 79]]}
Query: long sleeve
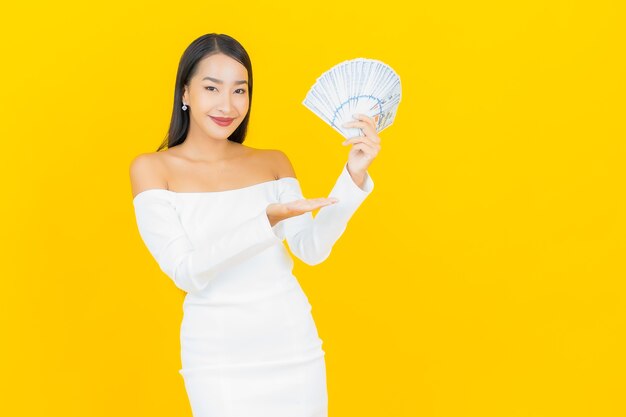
{"points": [[192, 268], [311, 238]]}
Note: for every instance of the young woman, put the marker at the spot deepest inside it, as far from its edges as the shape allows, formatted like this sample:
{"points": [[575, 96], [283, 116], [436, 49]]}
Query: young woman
{"points": [[214, 214]]}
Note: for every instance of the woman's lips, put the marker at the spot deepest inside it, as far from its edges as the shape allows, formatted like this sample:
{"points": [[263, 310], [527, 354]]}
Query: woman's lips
{"points": [[222, 121]]}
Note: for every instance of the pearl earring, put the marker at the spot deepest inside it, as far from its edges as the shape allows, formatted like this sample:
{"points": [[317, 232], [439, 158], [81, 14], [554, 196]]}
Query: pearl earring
{"points": [[184, 106]]}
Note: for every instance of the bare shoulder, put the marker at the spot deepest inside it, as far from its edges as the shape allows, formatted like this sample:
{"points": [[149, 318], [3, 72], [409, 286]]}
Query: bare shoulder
{"points": [[147, 170], [280, 163]]}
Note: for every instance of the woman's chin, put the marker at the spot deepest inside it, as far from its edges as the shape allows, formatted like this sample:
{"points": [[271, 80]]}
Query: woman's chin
{"points": [[219, 134]]}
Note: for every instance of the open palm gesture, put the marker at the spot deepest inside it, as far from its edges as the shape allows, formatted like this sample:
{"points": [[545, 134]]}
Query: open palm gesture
{"points": [[281, 211]]}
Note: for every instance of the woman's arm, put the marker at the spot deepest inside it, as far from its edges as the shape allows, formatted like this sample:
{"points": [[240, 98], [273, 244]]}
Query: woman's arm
{"points": [[190, 268], [312, 238]]}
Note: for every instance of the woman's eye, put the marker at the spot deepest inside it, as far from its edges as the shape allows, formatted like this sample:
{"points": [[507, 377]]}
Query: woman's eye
{"points": [[239, 89]]}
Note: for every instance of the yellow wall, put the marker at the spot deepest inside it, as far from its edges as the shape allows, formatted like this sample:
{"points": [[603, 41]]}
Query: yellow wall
{"points": [[484, 276]]}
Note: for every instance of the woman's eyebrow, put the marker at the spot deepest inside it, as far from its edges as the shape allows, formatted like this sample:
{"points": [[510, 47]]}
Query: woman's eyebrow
{"points": [[221, 82]]}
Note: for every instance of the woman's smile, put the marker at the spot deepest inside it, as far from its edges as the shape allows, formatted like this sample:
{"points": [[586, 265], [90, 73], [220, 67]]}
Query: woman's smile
{"points": [[222, 121]]}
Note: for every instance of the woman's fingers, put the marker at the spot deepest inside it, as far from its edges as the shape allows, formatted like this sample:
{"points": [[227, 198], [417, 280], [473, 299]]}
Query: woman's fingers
{"points": [[366, 141], [367, 128], [366, 149], [366, 124], [366, 118], [310, 204], [282, 211]]}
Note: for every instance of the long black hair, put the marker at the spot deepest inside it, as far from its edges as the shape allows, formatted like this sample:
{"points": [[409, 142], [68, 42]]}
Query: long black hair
{"points": [[204, 46]]}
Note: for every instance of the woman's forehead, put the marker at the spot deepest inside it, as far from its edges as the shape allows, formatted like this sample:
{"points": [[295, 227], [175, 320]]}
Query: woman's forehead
{"points": [[222, 68]]}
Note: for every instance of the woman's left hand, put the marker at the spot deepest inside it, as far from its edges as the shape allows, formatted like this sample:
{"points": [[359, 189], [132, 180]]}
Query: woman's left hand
{"points": [[364, 148]]}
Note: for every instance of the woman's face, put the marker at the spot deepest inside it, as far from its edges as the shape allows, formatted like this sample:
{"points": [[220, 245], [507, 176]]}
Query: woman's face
{"points": [[218, 89]]}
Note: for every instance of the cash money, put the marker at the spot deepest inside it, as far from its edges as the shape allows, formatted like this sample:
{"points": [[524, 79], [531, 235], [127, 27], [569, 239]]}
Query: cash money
{"points": [[360, 85]]}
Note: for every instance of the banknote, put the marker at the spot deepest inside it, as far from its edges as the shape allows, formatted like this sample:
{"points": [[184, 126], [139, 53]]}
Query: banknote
{"points": [[360, 85]]}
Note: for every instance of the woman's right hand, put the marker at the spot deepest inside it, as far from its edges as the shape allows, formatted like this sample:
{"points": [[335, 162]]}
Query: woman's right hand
{"points": [[281, 211]]}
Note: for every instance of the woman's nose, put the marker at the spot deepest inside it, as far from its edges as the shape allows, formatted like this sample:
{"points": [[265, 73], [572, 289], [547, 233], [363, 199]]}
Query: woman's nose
{"points": [[225, 103]]}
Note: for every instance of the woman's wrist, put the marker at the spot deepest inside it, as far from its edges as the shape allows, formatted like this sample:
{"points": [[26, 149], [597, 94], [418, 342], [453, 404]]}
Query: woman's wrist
{"points": [[273, 219], [357, 177]]}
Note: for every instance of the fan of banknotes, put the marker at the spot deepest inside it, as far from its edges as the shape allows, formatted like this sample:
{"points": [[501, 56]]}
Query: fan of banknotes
{"points": [[359, 85]]}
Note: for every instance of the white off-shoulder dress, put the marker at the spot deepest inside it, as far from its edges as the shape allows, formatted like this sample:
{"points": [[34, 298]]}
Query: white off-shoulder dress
{"points": [[249, 345]]}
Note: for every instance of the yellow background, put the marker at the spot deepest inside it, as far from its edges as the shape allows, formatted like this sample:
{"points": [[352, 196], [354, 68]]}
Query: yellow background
{"points": [[484, 276]]}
